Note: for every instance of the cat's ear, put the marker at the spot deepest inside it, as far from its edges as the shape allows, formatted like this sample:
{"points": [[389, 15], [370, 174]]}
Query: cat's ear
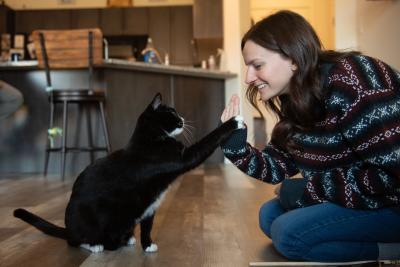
{"points": [[156, 101]]}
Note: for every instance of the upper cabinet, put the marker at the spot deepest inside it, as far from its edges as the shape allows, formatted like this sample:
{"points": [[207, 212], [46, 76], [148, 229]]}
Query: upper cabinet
{"points": [[171, 30], [6, 19], [207, 19], [28, 20], [135, 21], [171, 27], [85, 18], [181, 35], [124, 21], [158, 3], [111, 21]]}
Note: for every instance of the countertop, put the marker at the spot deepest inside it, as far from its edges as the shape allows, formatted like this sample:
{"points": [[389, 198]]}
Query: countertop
{"points": [[23, 64], [140, 66]]}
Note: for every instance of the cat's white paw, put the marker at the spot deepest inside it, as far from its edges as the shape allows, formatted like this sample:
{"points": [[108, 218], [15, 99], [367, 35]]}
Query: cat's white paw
{"points": [[131, 241], [240, 121], [151, 248], [93, 249]]}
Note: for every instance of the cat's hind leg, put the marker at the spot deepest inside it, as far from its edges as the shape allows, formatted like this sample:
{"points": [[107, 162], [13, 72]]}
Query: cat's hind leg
{"points": [[129, 238], [94, 248], [131, 241], [145, 234]]}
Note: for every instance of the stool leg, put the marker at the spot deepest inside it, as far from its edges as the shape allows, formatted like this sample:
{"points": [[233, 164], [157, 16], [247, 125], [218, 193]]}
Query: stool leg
{"points": [[64, 138], [47, 153], [89, 132], [104, 123]]}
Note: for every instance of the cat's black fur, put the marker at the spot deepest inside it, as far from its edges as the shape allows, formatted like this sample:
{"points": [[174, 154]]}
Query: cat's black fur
{"points": [[111, 195]]}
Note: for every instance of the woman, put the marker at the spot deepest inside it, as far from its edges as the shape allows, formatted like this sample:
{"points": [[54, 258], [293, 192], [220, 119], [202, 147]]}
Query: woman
{"points": [[339, 126]]}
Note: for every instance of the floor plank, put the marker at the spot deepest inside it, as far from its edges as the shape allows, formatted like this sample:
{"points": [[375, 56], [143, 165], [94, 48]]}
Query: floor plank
{"points": [[208, 218]]}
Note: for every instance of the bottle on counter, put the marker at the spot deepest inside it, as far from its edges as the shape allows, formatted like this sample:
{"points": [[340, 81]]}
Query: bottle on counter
{"points": [[166, 59], [211, 62], [222, 64], [149, 54]]}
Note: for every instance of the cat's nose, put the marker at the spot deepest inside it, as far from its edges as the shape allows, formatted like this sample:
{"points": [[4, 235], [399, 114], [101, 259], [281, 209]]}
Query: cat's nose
{"points": [[181, 122]]}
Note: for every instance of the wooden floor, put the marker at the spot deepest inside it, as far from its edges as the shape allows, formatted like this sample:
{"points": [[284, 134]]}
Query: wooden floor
{"points": [[208, 218]]}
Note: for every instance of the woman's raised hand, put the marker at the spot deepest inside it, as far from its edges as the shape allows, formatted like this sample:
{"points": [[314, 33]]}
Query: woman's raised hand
{"points": [[232, 109]]}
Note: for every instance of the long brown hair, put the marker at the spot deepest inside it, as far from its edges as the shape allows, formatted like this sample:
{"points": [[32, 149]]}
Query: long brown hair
{"points": [[290, 35]]}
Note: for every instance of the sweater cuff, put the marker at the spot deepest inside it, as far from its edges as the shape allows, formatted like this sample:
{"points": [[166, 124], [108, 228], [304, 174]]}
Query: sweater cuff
{"points": [[236, 142], [291, 191]]}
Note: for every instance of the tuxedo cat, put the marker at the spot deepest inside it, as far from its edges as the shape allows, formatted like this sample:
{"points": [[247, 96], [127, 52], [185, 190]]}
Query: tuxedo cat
{"points": [[123, 189]]}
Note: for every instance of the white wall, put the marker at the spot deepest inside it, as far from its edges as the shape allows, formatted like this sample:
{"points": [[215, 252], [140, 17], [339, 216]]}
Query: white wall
{"points": [[346, 25], [54, 4], [236, 21], [371, 27], [378, 31], [59, 4]]}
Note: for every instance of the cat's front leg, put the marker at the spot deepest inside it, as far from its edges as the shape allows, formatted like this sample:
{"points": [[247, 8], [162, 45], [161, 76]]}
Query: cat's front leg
{"points": [[129, 238], [145, 234], [197, 153]]}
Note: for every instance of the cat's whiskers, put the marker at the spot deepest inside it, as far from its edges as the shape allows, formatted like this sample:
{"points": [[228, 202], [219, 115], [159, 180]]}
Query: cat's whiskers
{"points": [[186, 138], [190, 126], [187, 132], [189, 121]]}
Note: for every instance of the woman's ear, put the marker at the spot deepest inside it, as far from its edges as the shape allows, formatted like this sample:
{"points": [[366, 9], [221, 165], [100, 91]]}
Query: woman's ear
{"points": [[294, 67]]}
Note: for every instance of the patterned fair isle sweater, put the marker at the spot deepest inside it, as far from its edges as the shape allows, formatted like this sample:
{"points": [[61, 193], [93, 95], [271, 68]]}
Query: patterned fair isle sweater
{"points": [[352, 157]]}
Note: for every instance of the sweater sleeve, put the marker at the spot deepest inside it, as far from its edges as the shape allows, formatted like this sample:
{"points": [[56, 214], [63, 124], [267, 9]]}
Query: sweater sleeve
{"points": [[366, 93], [270, 165]]}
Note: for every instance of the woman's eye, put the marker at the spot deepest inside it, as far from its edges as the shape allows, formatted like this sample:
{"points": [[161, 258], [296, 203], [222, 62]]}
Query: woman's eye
{"points": [[258, 66]]}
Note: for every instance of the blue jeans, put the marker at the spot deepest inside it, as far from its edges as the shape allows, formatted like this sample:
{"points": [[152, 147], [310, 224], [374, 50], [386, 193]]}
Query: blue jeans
{"points": [[328, 232]]}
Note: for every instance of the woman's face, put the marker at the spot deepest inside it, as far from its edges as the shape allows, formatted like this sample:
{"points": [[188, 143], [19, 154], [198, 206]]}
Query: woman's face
{"points": [[267, 70]]}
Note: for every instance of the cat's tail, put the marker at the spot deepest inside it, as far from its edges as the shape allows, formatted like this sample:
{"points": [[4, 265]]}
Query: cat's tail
{"points": [[41, 224]]}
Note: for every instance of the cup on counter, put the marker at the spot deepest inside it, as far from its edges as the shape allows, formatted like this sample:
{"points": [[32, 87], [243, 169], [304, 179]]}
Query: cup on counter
{"points": [[16, 54], [204, 64], [15, 57], [211, 63]]}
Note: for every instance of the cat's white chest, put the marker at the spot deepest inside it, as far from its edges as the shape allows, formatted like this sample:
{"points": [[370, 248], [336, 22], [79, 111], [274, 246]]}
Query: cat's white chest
{"points": [[152, 207]]}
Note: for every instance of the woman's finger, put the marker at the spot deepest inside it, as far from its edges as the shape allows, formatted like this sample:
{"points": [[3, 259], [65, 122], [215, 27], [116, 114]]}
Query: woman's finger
{"points": [[232, 109], [223, 116], [236, 102]]}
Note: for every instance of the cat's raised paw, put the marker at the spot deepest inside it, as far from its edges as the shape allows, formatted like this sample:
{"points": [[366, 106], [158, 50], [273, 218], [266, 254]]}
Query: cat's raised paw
{"points": [[131, 241], [93, 249], [152, 248], [240, 121]]}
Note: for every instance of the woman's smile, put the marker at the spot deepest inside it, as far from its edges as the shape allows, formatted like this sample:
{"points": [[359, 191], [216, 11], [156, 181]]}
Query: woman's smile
{"points": [[267, 65]]}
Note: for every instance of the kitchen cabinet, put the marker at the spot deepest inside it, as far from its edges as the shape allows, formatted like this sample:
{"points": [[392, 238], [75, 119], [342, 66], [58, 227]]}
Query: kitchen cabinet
{"points": [[171, 27], [153, 3], [171, 30], [181, 35], [85, 18], [6, 19], [135, 21], [111, 21], [61, 19], [207, 19], [160, 29], [124, 21], [29, 20]]}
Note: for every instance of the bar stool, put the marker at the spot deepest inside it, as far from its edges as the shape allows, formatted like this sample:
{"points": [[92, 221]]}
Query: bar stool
{"points": [[67, 49]]}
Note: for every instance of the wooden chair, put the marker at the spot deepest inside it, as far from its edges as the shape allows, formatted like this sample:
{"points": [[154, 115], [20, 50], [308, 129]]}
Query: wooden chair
{"points": [[71, 49]]}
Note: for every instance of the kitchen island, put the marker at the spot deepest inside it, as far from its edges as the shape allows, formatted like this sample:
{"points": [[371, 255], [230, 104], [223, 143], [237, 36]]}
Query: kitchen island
{"points": [[197, 94]]}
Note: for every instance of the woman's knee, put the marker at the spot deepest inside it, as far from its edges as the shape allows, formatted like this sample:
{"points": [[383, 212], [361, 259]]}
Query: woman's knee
{"points": [[286, 238], [269, 211]]}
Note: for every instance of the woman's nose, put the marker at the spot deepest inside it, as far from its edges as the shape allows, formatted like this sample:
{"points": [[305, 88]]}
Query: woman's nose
{"points": [[250, 77]]}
